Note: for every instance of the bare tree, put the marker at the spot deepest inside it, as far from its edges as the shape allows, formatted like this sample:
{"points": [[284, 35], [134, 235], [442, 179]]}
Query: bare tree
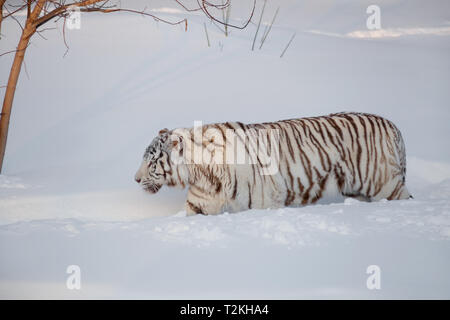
{"points": [[40, 12]]}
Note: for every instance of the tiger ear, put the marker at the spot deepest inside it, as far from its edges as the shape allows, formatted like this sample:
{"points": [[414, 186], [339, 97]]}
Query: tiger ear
{"points": [[162, 131], [177, 142]]}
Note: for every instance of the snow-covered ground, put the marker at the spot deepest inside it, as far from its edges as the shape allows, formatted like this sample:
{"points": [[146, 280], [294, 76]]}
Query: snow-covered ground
{"points": [[80, 125]]}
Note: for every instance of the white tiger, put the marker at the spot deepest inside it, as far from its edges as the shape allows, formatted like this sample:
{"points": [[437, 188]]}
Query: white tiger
{"points": [[354, 154]]}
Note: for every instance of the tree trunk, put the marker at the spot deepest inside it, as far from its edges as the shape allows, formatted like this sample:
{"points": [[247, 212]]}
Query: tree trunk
{"points": [[28, 31]]}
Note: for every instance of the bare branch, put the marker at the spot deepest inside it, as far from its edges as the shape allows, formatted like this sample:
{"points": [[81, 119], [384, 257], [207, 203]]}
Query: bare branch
{"points": [[7, 52], [10, 14], [46, 29], [89, 6], [62, 9], [186, 8], [204, 4], [133, 11]]}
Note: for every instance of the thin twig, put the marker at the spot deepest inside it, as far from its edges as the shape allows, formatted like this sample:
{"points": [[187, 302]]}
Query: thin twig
{"points": [[270, 28], [83, 5], [13, 12], [39, 32], [14, 18], [186, 8], [259, 25], [264, 32], [289, 43], [204, 4], [223, 18], [217, 25], [64, 37], [26, 69], [46, 29], [14, 51], [227, 19], [206, 32]]}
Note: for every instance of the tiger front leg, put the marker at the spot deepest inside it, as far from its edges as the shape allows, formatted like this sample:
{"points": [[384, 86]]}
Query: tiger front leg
{"points": [[192, 209], [203, 203]]}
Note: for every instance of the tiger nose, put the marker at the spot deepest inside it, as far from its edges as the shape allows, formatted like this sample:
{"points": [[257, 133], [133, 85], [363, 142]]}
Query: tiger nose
{"points": [[138, 180]]}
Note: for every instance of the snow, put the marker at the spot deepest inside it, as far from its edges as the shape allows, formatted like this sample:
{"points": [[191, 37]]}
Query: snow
{"points": [[80, 125]]}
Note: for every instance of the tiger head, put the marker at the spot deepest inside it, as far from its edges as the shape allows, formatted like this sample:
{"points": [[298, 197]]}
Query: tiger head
{"points": [[156, 167]]}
